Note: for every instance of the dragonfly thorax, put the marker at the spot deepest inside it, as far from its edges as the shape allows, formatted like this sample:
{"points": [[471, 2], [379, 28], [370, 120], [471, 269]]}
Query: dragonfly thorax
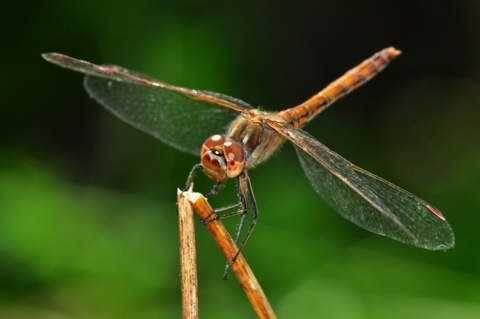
{"points": [[222, 158]]}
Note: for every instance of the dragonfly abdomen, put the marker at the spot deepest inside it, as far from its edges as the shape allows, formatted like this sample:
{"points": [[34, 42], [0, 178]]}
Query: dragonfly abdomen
{"points": [[301, 114]]}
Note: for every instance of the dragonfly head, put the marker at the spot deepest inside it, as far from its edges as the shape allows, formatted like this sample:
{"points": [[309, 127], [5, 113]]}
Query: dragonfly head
{"points": [[222, 158]]}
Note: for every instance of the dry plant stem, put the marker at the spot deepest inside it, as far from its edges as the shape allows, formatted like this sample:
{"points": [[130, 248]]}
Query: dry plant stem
{"points": [[188, 258], [240, 267]]}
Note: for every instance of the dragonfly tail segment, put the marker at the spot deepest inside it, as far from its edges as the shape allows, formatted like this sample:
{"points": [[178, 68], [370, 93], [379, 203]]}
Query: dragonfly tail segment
{"points": [[356, 77]]}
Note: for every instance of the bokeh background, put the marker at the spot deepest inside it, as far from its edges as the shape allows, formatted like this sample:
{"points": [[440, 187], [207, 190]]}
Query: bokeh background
{"points": [[88, 224]]}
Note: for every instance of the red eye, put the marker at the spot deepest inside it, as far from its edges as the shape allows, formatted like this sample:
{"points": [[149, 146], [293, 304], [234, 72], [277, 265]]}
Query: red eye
{"points": [[214, 141], [213, 158], [235, 156]]}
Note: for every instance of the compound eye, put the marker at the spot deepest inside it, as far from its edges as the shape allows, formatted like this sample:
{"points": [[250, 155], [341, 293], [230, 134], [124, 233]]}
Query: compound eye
{"points": [[235, 158], [213, 158], [213, 142]]}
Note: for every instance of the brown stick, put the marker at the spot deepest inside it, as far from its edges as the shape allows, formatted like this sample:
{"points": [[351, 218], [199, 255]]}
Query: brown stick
{"points": [[187, 258], [240, 267]]}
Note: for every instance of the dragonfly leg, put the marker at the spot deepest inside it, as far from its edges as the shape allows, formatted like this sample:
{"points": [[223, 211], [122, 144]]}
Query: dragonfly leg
{"points": [[215, 189], [191, 175], [221, 209], [246, 196], [224, 208]]}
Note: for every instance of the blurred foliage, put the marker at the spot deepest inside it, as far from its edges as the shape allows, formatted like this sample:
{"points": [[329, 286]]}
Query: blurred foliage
{"points": [[87, 204]]}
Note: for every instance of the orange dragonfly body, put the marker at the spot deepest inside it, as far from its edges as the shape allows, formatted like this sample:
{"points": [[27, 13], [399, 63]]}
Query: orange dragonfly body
{"points": [[193, 121]]}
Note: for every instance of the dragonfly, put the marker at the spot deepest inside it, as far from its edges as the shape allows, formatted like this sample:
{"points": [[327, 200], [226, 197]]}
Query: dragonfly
{"points": [[232, 137]]}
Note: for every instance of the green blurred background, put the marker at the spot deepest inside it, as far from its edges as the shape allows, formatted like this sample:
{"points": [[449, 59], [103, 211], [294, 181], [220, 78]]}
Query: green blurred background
{"points": [[88, 223]]}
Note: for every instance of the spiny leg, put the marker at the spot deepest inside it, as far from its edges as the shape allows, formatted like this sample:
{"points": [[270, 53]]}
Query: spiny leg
{"points": [[246, 196], [215, 189], [191, 175], [246, 190]]}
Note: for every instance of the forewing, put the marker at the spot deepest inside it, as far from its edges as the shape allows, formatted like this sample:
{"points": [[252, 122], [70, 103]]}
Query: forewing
{"points": [[368, 200], [174, 118], [177, 116]]}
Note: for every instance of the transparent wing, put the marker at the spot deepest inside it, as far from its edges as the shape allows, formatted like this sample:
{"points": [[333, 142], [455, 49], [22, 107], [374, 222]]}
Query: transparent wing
{"points": [[174, 118], [368, 200], [180, 117]]}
